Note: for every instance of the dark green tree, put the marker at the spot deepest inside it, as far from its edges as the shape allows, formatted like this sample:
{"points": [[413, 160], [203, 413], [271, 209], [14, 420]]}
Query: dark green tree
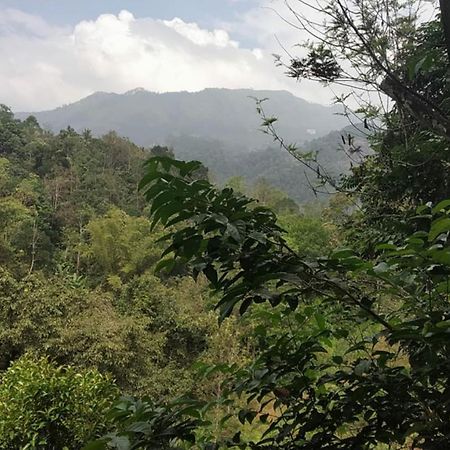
{"points": [[321, 383]]}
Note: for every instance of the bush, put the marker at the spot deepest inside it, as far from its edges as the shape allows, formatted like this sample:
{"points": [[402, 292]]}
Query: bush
{"points": [[47, 407]]}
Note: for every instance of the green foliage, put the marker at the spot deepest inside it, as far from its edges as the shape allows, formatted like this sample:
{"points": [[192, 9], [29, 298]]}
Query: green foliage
{"points": [[16, 221], [76, 284], [77, 255], [383, 47], [74, 326], [334, 352], [120, 245], [141, 424], [11, 139], [47, 407], [307, 234], [225, 239], [273, 198], [318, 383], [145, 334], [53, 185]]}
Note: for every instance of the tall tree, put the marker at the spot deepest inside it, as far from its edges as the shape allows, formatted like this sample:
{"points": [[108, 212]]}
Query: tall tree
{"points": [[445, 17], [394, 67]]}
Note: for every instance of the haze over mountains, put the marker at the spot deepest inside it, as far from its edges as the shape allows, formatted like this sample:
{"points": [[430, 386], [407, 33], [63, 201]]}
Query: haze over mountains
{"points": [[219, 127]]}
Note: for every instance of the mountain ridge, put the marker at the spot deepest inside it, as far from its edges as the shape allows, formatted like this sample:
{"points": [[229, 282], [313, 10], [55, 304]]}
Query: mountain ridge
{"points": [[228, 115], [219, 127]]}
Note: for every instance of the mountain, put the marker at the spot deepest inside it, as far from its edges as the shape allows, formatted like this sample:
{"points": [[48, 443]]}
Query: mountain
{"points": [[225, 115], [219, 127], [283, 171]]}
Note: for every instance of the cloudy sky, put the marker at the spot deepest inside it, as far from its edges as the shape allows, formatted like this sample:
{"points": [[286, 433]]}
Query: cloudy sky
{"points": [[54, 52]]}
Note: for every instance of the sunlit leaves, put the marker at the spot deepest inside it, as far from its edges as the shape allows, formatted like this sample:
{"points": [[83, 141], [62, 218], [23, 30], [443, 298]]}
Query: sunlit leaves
{"points": [[47, 407], [366, 393]]}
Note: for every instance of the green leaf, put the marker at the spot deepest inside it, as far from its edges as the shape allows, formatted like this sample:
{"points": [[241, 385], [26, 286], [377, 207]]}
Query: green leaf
{"points": [[233, 232], [420, 209], [343, 253], [189, 167], [167, 264], [386, 247], [438, 227], [168, 210], [119, 443], [162, 198], [182, 216], [211, 274], [245, 305], [140, 427], [441, 206], [441, 256], [96, 445], [191, 246], [381, 267], [320, 319]]}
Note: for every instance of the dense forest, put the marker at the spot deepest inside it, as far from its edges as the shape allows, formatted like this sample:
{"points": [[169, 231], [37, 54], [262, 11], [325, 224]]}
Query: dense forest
{"points": [[193, 125], [148, 117], [78, 283], [145, 307]]}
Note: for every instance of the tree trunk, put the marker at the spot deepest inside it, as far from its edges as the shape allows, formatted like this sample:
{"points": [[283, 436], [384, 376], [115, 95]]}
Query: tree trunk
{"points": [[80, 234], [445, 18], [430, 116], [33, 247]]}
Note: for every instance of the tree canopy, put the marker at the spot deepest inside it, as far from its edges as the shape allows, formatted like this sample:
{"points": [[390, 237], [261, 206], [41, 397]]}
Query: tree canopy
{"points": [[333, 320]]}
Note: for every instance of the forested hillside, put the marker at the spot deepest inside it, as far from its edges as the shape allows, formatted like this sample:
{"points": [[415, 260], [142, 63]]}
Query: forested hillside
{"points": [[352, 348], [145, 306], [277, 167], [225, 115], [77, 259], [78, 284], [219, 127]]}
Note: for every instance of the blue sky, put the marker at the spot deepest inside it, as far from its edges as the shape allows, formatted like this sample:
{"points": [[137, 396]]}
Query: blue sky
{"points": [[204, 12], [57, 51]]}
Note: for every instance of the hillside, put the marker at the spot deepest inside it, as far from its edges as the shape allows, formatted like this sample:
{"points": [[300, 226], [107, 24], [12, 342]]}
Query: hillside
{"points": [[274, 165], [148, 118], [219, 127]]}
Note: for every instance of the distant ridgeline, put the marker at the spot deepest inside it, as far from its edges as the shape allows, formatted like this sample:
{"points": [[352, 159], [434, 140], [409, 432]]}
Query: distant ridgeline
{"points": [[219, 127]]}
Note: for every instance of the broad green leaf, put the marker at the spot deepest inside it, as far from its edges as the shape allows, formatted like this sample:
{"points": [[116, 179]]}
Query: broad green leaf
{"points": [[441, 206], [438, 227], [320, 319], [381, 267], [167, 264]]}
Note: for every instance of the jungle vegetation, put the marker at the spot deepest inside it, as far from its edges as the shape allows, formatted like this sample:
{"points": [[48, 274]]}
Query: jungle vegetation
{"points": [[144, 307]]}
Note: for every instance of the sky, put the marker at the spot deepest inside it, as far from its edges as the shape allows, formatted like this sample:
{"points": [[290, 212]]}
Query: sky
{"points": [[54, 52]]}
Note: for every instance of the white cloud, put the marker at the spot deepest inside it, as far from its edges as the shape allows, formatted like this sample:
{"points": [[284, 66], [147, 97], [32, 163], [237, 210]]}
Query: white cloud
{"points": [[194, 33], [269, 24], [45, 66], [273, 27]]}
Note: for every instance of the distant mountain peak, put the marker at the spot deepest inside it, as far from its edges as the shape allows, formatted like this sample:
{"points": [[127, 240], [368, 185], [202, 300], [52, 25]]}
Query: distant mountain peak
{"points": [[135, 91]]}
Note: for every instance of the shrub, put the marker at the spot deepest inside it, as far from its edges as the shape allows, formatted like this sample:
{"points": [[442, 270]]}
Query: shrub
{"points": [[47, 407]]}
